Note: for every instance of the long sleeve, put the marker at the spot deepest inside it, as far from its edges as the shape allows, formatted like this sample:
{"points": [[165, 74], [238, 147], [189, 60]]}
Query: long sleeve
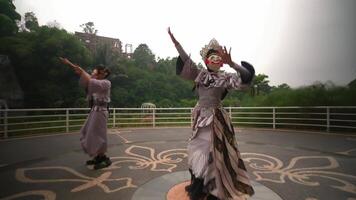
{"points": [[233, 81], [99, 90], [185, 67], [241, 79], [182, 54], [246, 71], [84, 80], [97, 86]]}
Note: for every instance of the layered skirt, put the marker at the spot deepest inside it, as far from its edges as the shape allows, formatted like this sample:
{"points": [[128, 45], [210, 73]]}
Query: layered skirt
{"points": [[215, 163], [94, 133]]}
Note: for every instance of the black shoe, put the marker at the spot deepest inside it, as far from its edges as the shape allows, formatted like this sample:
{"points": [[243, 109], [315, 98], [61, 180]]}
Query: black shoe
{"points": [[91, 162], [102, 163]]}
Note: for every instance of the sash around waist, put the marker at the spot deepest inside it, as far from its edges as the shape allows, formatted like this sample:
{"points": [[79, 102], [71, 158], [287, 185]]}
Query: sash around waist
{"points": [[99, 108], [99, 103], [208, 104]]}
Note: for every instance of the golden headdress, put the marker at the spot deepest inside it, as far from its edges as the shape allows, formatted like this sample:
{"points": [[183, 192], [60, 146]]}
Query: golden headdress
{"points": [[213, 44]]}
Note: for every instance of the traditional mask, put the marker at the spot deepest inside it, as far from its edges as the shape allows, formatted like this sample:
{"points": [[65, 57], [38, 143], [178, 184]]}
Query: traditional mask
{"points": [[214, 62]]}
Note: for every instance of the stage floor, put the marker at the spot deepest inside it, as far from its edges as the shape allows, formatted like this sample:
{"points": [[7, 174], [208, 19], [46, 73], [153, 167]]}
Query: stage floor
{"points": [[151, 164]]}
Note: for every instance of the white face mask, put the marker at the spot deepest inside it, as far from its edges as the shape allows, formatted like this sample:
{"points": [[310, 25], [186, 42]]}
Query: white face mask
{"points": [[214, 62], [214, 68], [215, 58]]}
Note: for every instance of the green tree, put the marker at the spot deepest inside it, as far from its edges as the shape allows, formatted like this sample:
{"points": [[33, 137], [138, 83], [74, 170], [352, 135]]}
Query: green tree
{"points": [[283, 86], [8, 18], [105, 55], [45, 81], [144, 57], [31, 22], [260, 84], [352, 84], [89, 28]]}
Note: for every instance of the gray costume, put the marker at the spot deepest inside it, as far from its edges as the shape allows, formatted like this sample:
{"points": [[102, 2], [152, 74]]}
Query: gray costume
{"points": [[213, 156], [94, 131]]}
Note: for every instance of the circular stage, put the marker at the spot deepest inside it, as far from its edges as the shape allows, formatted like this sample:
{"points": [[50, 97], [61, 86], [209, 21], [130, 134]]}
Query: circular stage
{"points": [[172, 187], [177, 192]]}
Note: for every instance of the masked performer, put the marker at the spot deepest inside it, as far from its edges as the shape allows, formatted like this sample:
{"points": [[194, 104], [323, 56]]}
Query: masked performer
{"points": [[214, 161], [94, 131]]}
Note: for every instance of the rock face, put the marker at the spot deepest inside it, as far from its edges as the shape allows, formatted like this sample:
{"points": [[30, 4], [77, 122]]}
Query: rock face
{"points": [[10, 90]]}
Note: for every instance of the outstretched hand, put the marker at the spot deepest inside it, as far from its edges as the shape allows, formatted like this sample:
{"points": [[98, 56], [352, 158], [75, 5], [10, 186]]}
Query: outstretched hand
{"points": [[75, 67], [64, 60], [226, 56], [172, 37]]}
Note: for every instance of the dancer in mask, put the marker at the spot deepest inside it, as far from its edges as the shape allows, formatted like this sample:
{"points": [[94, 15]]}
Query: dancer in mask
{"points": [[94, 131], [214, 160]]}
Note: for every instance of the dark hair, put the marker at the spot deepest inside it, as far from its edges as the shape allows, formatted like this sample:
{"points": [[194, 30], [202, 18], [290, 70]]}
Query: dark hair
{"points": [[211, 51], [102, 68]]}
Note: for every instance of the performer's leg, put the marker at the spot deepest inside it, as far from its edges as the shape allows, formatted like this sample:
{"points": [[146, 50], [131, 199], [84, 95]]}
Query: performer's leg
{"points": [[198, 156], [192, 178], [196, 188]]}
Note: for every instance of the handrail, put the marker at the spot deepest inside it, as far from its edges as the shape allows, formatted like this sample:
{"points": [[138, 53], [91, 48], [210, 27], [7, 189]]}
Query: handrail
{"points": [[44, 120], [3, 116]]}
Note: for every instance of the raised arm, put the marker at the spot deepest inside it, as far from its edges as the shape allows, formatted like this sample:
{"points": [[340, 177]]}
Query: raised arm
{"points": [[184, 56], [85, 77], [247, 72], [185, 67]]}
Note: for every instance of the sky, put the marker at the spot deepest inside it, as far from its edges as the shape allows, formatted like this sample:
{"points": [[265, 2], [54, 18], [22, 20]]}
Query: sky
{"points": [[298, 42]]}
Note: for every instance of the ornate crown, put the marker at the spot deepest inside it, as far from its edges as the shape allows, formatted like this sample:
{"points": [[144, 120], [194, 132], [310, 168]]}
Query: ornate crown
{"points": [[213, 44]]}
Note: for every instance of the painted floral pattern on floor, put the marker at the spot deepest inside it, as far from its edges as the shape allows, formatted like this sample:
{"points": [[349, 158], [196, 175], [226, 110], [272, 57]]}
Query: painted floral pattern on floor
{"points": [[265, 168]]}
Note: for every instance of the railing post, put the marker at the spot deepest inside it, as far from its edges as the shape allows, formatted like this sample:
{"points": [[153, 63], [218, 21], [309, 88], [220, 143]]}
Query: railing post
{"points": [[114, 118], [274, 118], [67, 120], [327, 118], [230, 114], [191, 117], [154, 117], [5, 124]]}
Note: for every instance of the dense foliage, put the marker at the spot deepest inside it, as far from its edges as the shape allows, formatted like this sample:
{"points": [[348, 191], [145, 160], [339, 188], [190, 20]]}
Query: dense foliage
{"points": [[34, 51]]}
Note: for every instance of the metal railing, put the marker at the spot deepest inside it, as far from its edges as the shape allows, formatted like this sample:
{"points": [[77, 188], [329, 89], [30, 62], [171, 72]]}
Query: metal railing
{"points": [[18, 122], [3, 116]]}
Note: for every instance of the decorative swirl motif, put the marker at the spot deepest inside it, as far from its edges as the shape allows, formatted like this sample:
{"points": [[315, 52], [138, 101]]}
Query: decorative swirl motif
{"points": [[144, 157], [347, 153], [271, 169], [89, 182], [301, 170], [118, 134]]}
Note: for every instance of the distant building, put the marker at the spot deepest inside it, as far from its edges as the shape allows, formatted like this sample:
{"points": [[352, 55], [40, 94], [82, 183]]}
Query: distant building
{"points": [[92, 42], [128, 50]]}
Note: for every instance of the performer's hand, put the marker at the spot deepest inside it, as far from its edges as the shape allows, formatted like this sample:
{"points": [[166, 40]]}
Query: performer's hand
{"points": [[172, 37], [226, 56], [67, 62], [64, 61], [78, 70]]}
